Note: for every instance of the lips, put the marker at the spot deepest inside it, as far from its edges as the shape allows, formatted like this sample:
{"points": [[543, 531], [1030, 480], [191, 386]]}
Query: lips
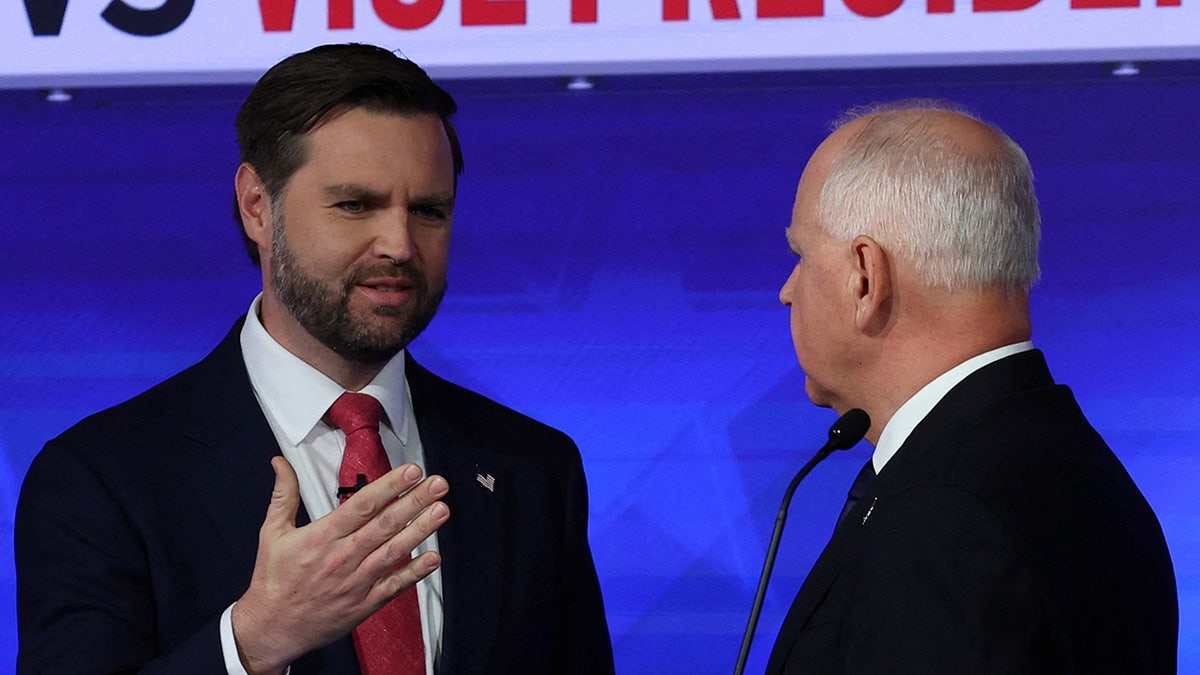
{"points": [[386, 291]]}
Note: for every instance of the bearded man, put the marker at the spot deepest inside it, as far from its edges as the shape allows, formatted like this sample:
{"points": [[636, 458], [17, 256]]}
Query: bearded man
{"points": [[141, 542]]}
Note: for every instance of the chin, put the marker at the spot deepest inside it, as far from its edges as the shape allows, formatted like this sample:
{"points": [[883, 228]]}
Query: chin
{"points": [[820, 397]]}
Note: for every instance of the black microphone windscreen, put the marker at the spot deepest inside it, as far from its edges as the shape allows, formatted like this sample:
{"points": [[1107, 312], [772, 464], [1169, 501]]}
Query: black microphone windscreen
{"points": [[849, 429]]}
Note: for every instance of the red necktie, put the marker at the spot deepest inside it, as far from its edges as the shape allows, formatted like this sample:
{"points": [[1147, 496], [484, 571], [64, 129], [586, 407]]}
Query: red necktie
{"points": [[389, 641]]}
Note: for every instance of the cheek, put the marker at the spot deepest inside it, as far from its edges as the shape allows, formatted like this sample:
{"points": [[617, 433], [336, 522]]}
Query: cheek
{"points": [[329, 260], [812, 310], [800, 321], [433, 247]]}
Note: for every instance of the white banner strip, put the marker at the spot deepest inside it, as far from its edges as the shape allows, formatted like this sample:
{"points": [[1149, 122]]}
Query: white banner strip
{"points": [[47, 43]]}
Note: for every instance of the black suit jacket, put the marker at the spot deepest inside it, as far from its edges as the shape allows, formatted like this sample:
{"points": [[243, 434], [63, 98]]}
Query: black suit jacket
{"points": [[1003, 537], [138, 526]]}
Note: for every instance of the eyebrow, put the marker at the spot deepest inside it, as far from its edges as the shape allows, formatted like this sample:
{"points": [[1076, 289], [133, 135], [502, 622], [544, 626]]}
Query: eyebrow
{"points": [[443, 199], [363, 193], [353, 191]]}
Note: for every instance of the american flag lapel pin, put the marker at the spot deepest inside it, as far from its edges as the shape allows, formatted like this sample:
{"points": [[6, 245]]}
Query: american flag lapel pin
{"points": [[486, 480]]}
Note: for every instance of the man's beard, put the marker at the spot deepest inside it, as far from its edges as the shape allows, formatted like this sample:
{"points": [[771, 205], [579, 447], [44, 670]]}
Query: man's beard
{"points": [[324, 311]]}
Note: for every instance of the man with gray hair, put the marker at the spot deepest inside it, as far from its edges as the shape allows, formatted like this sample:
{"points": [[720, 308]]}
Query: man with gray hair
{"points": [[992, 530]]}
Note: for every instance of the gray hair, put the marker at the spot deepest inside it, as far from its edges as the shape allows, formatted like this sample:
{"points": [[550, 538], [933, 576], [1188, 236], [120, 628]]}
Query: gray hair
{"points": [[963, 219]]}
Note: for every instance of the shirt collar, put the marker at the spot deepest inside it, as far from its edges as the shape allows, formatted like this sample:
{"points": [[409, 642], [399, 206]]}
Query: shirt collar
{"points": [[909, 415], [297, 395]]}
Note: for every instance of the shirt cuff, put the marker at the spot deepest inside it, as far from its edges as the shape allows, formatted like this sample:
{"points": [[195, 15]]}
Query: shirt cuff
{"points": [[233, 663]]}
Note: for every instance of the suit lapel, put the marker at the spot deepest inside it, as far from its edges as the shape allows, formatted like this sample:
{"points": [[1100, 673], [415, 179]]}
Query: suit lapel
{"points": [[820, 580], [472, 540], [230, 474], [230, 469], [942, 426]]}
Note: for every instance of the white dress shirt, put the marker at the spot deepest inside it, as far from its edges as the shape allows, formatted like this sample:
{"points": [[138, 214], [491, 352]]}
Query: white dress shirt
{"points": [[916, 408], [295, 397]]}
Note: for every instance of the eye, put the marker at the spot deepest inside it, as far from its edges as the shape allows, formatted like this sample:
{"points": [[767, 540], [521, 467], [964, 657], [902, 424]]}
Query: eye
{"points": [[351, 206], [429, 212]]}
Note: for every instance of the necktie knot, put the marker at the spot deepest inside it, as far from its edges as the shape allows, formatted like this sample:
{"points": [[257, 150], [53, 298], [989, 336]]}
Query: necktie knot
{"points": [[353, 412], [364, 458]]}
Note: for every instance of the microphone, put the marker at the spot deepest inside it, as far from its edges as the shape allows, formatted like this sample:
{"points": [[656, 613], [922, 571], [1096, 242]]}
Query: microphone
{"points": [[344, 492], [843, 435]]}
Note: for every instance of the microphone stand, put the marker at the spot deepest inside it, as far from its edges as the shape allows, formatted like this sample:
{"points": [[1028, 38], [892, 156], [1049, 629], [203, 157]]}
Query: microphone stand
{"points": [[844, 433]]}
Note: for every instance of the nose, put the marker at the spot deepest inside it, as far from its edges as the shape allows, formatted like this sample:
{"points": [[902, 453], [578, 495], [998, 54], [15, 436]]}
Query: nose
{"points": [[392, 238], [785, 291]]}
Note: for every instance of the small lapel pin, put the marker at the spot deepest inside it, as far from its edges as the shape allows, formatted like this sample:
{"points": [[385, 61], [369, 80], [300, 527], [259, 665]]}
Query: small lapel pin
{"points": [[870, 510], [487, 481]]}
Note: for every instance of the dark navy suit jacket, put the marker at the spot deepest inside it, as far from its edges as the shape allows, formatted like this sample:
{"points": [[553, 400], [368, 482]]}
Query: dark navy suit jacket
{"points": [[138, 526], [1003, 537]]}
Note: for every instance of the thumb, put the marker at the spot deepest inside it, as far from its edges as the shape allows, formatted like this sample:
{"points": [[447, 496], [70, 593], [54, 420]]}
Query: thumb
{"points": [[285, 500]]}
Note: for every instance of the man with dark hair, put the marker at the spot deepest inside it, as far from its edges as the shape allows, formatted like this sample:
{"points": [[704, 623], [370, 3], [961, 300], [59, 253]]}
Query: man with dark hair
{"points": [[992, 530], [140, 537]]}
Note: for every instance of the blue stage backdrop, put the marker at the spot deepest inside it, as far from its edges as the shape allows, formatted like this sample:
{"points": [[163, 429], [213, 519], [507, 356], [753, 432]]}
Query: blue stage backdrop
{"points": [[617, 258]]}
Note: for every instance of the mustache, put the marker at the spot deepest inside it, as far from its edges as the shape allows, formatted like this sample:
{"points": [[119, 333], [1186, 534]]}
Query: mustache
{"points": [[405, 271]]}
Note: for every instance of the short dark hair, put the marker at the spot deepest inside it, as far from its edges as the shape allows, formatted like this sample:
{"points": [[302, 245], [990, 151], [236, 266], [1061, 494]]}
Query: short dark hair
{"points": [[296, 94]]}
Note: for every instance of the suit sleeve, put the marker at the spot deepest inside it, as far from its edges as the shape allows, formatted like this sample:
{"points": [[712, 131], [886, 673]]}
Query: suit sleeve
{"points": [[954, 592], [589, 643], [85, 597]]}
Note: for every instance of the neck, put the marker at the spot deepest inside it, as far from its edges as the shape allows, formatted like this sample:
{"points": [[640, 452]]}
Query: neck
{"points": [[943, 330], [284, 329], [350, 375]]}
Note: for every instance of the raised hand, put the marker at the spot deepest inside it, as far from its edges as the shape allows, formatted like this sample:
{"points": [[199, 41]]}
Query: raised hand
{"points": [[314, 584]]}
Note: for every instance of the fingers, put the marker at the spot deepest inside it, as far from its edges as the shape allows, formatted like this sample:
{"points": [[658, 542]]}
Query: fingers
{"points": [[399, 542], [401, 525], [285, 500], [393, 491], [404, 578], [314, 583]]}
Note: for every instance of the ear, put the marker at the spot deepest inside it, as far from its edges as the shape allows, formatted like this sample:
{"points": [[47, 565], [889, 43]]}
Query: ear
{"points": [[871, 285], [254, 205]]}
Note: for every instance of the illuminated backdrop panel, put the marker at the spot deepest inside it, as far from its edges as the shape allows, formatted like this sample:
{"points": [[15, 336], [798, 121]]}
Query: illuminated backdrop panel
{"points": [[617, 257]]}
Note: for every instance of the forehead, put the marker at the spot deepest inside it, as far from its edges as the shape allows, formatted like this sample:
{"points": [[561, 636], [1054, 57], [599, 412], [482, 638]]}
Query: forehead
{"points": [[812, 180], [805, 233], [823, 158], [360, 129], [360, 141]]}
